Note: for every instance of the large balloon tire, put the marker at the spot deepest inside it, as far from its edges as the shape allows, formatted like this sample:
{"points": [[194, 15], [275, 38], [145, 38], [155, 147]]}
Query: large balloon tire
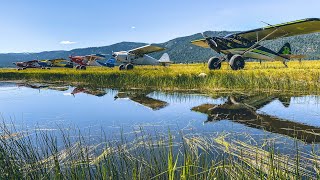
{"points": [[237, 62], [214, 63], [129, 67]]}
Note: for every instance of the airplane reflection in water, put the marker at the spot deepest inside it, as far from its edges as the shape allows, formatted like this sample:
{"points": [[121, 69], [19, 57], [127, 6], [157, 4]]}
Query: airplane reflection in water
{"points": [[43, 86], [142, 98], [244, 110], [99, 92], [139, 97]]}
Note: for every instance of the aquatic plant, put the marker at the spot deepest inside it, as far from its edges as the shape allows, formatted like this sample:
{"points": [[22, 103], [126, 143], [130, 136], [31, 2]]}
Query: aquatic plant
{"points": [[60, 155]]}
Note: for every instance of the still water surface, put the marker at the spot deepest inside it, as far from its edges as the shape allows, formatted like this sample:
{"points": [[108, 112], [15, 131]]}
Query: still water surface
{"points": [[50, 107]]}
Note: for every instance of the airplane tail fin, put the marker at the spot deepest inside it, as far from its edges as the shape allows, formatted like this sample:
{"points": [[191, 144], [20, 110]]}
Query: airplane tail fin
{"points": [[165, 58], [109, 63], [285, 50]]}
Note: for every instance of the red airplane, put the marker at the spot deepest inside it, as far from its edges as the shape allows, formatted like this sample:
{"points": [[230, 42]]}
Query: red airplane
{"points": [[87, 60]]}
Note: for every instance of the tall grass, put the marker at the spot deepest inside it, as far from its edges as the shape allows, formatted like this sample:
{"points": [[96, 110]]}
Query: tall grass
{"points": [[271, 76], [45, 155]]}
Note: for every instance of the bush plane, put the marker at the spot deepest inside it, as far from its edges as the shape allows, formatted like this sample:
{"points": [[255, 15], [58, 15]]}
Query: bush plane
{"points": [[56, 63], [138, 56], [28, 64], [91, 60], [238, 47]]}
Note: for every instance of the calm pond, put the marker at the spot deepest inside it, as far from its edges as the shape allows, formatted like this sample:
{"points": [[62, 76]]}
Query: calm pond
{"points": [[51, 107]]}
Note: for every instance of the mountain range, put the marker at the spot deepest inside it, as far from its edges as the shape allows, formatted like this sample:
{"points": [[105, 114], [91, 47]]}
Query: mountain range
{"points": [[180, 49]]}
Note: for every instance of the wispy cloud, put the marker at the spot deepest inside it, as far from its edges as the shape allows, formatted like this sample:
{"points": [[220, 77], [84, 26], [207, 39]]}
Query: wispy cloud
{"points": [[67, 42], [133, 27]]}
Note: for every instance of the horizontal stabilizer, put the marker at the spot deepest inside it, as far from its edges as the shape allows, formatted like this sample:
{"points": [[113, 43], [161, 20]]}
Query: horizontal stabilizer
{"points": [[294, 56]]}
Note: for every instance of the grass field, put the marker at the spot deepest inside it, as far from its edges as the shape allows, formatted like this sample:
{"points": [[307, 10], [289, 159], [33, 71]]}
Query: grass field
{"points": [[269, 76]]}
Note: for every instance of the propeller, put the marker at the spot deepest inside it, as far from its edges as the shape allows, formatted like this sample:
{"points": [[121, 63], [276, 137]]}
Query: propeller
{"points": [[211, 42]]}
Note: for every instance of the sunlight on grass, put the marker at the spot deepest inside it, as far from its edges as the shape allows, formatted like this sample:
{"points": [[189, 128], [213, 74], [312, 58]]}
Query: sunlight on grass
{"points": [[270, 76]]}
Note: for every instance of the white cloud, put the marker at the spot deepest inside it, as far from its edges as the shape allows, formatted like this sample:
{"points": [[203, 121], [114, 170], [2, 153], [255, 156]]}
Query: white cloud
{"points": [[67, 42], [133, 27]]}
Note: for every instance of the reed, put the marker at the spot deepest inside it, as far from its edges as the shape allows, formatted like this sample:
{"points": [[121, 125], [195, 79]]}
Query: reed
{"points": [[61, 155], [270, 76]]}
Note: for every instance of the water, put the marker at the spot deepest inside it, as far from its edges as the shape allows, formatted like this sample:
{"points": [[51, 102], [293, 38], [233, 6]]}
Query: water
{"points": [[52, 107]]}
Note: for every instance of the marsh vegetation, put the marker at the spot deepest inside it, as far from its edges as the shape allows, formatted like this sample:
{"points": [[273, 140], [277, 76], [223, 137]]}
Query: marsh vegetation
{"points": [[270, 76], [59, 155]]}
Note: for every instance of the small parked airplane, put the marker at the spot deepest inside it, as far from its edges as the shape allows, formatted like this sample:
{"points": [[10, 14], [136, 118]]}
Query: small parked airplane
{"points": [[139, 56], [27, 64], [91, 60], [56, 63], [238, 47]]}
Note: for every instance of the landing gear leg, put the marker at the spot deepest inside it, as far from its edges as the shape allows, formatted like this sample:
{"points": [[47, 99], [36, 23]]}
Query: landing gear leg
{"points": [[285, 64]]}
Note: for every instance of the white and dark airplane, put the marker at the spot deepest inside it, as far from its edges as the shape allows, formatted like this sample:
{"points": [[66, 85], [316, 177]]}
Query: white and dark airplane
{"points": [[138, 56]]}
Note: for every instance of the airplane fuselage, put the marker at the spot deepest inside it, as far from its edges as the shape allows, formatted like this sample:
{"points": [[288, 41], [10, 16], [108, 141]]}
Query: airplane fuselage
{"points": [[28, 64], [123, 57], [81, 60], [232, 45]]}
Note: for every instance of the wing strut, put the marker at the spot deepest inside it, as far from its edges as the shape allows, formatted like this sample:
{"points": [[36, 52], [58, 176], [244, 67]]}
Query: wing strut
{"points": [[256, 45]]}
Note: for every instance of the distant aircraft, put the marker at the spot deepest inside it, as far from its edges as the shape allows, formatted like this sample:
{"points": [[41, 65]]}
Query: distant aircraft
{"points": [[238, 47], [56, 63], [139, 56], [28, 64], [91, 60]]}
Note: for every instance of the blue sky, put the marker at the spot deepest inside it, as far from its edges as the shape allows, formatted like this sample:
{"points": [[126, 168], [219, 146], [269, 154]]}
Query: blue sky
{"points": [[43, 25]]}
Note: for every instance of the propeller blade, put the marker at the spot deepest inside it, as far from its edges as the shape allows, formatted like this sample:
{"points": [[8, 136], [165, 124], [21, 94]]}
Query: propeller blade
{"points": [[213, 42], [209, 39]]}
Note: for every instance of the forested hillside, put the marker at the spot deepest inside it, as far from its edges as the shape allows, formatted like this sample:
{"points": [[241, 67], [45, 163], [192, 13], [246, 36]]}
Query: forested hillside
{"points": [[179, 49]]}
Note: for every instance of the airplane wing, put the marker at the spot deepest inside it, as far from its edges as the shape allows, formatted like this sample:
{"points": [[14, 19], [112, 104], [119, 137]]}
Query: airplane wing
{"points": [[146, 50], [201, 42], [299, 27], [94, 57]]}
